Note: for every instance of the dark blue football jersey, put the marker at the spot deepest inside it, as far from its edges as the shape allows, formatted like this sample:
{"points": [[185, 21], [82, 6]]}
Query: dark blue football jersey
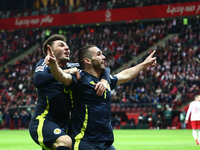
{"points": [[91, 114], [53, 101]]}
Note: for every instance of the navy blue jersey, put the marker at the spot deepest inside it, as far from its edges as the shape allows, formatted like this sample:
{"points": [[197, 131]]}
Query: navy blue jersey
{"points": [[91, 114], [53, 101]]}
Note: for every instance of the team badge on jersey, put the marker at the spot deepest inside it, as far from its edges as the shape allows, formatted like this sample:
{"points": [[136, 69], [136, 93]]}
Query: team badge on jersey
{"points": [[39, 68], [57, 131]]}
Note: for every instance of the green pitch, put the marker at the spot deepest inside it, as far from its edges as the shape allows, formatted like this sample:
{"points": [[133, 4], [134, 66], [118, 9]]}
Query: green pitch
{"points": [[124, 140]]}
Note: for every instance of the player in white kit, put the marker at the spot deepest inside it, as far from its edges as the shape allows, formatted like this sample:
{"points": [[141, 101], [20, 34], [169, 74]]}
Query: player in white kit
{"points": [[194, 109]]}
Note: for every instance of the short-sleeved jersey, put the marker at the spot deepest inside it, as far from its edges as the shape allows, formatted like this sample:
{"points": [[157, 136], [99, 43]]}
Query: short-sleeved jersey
{"points": [[91, 114], [194, 109], [53, 101]]}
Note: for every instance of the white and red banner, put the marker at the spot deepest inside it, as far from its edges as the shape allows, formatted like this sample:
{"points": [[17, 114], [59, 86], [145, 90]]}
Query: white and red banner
{"points": [[112, 15]]}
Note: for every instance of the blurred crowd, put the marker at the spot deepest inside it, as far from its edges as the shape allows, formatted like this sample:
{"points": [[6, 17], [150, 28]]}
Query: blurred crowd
{"points": [[65, 6], [176, 74], [14, 43]]}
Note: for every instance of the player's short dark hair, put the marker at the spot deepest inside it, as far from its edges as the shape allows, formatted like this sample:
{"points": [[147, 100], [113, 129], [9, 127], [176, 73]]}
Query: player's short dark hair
{"points": [[50, 41], [84, 53]]}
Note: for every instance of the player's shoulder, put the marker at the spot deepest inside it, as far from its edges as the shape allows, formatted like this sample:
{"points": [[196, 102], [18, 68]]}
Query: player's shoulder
{"points": [[40, 66], [85, 75], [86, 78], [194, 103], [40, 62]]}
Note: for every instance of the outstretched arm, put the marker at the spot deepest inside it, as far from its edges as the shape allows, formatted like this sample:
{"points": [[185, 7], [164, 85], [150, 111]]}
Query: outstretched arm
{"points": [[128, 74], [56, 71]]}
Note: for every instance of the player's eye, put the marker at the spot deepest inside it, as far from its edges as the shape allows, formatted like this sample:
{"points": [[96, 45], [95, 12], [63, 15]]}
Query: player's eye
{"points": [[61, 45]]}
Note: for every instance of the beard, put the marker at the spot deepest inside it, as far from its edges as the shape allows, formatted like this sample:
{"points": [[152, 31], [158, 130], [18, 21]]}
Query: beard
{"points": [[98, 66]]}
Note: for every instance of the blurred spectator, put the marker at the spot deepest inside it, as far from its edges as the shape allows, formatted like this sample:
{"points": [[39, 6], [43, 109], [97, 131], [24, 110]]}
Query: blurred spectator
{"points": [[158, 90], [131, 121], [49, 5], [37, 4], [7, 120], [24, 119], [182, 119], [141, 119], [155, 101], [32, 112], [154, 119], [16, 120], [178, 96], [116, 122], [148, 119], [168, 117], [159, 122], [1, 120]]}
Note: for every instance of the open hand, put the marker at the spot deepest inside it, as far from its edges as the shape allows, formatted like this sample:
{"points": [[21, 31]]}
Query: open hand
{"points": [[150, 60], [100, 87]]}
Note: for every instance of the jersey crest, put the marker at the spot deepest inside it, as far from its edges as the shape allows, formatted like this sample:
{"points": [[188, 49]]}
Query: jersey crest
{"points": [[39, 68], [57, 131]]}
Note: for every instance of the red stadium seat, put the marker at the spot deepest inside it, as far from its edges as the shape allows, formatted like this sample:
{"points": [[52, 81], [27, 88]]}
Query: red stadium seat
{"points": [[128, 110], [117, 109], [139, 109], [123, 109]]}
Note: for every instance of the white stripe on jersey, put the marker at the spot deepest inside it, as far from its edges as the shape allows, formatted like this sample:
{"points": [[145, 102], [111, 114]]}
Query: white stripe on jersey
{"points": [[43, 64], [111, 77]]}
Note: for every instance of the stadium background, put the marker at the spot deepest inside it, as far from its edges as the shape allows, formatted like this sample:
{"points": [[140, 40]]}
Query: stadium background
{"points": [[126, 31]]}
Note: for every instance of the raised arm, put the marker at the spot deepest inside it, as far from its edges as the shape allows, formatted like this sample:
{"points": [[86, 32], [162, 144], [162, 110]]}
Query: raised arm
{"points": [[56, 71], [128, 74]]}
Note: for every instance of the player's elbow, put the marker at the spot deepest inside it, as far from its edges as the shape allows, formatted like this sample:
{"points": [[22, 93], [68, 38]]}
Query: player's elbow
{"points": [[36, 83]]}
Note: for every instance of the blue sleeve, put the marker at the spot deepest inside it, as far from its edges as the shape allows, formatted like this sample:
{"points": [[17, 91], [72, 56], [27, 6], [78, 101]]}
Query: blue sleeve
{"points": [[43, 79], [113, 81], [106, 74], [42, 75], [75, 82]]}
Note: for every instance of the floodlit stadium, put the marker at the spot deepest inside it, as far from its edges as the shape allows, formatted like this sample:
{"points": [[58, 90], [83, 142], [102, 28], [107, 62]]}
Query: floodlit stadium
{"points": [[147, 112]]}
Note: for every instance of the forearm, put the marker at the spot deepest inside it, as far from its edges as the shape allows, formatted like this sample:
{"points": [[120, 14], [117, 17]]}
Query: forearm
{"points": [[128, 74], [60, 76]]}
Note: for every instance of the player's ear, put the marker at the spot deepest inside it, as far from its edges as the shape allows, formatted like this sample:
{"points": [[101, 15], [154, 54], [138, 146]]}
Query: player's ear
{"points": [[87, 60]]}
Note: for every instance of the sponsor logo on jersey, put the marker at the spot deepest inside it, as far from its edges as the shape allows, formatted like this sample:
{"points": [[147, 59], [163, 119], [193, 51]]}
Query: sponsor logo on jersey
{"points": [[92, 82], [39, 68], [57, 131]]}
